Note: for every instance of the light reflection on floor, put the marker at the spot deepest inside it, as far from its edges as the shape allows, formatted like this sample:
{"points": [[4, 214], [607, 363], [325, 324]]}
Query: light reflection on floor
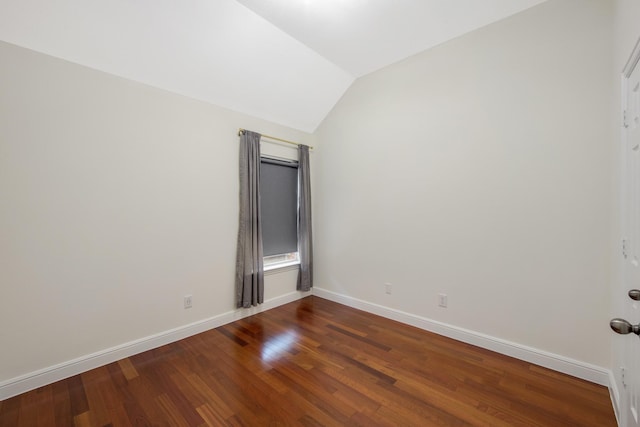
{"points": [[277, 345]]}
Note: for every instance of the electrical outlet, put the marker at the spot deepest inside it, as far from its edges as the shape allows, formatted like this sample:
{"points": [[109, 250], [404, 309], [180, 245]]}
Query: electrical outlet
{"points": [[188, 301], [442, 300], [387, 288]]}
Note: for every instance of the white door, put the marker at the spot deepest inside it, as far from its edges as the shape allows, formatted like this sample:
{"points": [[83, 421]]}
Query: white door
{"points": [[629, 347]]}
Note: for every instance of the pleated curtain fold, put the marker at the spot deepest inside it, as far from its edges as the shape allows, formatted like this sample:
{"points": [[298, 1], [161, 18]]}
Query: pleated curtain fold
{"points": [[305, 235], [249, 263]]}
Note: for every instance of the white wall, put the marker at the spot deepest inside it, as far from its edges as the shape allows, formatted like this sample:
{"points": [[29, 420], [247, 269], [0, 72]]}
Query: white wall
{"points": [[117, 199], [480, 169]]}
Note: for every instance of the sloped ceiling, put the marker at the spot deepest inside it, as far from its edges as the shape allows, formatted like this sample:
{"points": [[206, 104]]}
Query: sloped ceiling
{"points": [[287, 61], [361, 36]]}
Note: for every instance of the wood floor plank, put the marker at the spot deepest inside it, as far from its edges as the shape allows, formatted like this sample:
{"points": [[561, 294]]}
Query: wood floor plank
{"points": [[214, 400], [211, 416], [77, 396], [81, 420], [171, 411], [45, 406], [141, 405], [314, 362], [62, 404], [29, 408], [128, 369]]}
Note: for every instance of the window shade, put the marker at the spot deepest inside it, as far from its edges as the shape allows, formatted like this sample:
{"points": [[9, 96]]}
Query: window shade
{"points": [[279, 206]]}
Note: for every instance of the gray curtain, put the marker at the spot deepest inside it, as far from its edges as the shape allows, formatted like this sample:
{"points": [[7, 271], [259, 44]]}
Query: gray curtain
{"points": [[305, 241], [249, 267]]}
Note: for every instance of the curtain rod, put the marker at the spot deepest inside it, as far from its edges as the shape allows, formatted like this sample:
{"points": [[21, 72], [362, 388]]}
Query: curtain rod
{"points": [[241, 131]]}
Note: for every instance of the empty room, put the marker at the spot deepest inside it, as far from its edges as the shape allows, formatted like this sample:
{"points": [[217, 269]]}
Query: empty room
{"points": [[320, 212]]}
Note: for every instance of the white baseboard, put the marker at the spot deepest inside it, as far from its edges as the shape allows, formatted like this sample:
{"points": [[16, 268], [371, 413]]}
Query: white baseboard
{"points": [[614, 393], [82, 364], [543, 358]]}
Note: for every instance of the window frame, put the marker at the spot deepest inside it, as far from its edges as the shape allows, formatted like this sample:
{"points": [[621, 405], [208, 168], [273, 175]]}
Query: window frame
{"points": [[291, 259]]}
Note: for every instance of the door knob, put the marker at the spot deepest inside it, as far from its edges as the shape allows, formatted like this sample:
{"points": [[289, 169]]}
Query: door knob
{"points": [[634, 294], [623, 327]]}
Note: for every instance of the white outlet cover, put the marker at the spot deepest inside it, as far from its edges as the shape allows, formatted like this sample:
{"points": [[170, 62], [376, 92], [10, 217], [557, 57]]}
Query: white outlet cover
{"points": [[442, 300]]}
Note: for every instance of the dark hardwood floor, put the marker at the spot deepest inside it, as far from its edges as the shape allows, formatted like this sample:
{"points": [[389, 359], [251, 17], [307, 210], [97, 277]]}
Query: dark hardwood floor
{"points": [[314, 362]]}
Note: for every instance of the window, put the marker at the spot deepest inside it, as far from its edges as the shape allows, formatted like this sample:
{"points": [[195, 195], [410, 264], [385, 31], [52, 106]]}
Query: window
{"points": [[279, 211]]}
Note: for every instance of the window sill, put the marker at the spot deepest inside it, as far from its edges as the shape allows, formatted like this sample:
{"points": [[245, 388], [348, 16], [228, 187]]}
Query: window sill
{"points": [[281, 267]]}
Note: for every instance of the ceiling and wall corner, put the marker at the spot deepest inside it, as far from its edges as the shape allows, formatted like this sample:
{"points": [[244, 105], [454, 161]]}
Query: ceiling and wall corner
{"points": [[215, 51], [279, 60]]}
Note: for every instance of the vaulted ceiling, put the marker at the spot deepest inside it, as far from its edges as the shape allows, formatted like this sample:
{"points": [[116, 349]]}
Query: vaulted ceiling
{"points": [[287, 61]]}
